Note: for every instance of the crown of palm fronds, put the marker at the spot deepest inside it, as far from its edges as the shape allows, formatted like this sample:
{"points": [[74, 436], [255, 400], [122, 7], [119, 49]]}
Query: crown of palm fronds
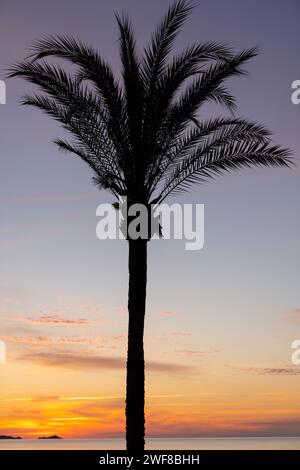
{"points": [[142, 138]]}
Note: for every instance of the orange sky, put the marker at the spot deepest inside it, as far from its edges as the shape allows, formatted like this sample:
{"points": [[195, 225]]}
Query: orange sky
{"points": [[65, 378]]}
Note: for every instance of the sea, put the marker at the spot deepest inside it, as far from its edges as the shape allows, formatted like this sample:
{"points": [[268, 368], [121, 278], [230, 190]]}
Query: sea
{"points": [[243, 443]]}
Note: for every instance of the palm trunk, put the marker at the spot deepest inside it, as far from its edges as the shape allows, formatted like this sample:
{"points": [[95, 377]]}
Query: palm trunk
{"points": [[135, 389]]}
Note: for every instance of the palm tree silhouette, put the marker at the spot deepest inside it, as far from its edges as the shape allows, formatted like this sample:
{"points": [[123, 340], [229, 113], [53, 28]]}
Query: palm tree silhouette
{"points": [[143, 139]]}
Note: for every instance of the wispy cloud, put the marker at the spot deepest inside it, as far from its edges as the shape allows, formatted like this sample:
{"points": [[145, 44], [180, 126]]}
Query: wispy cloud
{"points": [[197, 352], [88, 361], [51, 398], [180, 333], [286, 427], [281, 371], [173, 335], [293, 315], [54, 320], [47, 340], [162, 425], [165, 313]]}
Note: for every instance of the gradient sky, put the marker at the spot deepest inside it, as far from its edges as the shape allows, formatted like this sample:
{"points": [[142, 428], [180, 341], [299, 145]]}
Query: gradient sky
{"points": [[220, 321]]}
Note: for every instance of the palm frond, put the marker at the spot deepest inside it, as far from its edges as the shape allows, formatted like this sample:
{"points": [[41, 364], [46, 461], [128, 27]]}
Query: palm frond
{"points": [[182, 67], [208, 87], [209, 133], [161, 44], [108, 180], [133, 89], [95, 150], [92, 67], [155, 55], [143, 136], [80, 112], [215, 160]]}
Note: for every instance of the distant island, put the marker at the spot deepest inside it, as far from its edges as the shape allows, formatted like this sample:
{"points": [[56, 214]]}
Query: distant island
{"points": [[42, 437]]}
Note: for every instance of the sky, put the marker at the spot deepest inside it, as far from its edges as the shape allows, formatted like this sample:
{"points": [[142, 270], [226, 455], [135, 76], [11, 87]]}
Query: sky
{"points": [[220, 321]]}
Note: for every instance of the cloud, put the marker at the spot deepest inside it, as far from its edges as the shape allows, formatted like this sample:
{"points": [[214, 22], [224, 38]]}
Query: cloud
{"points": [[55, 320], [197, 352], [280, 371], [165, 367], [165, 313], [277, 428], [51, 398], [75, 361], [293, 315], [47, 340], [163, 425], [88, 361], [276, 371], [170, 335], [180, 333], [33, 399]]}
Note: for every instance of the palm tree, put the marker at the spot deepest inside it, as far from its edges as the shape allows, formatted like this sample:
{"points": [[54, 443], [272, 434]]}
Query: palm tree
{"points": [[143, 139]]}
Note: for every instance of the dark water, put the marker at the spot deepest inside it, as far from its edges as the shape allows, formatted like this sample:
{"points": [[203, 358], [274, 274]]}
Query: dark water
{"points": [[156, 444]]}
